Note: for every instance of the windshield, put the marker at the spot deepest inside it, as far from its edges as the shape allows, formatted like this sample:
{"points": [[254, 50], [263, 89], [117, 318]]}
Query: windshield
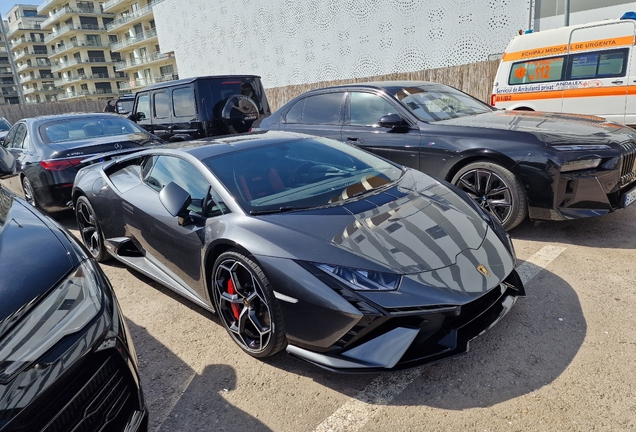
{"points": [[437, 103], [300, 174], [4, 125], [72, 129]]}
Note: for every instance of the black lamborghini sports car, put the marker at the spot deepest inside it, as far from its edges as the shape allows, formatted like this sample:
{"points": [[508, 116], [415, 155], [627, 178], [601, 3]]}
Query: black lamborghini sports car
{"points": [[343, 258]]}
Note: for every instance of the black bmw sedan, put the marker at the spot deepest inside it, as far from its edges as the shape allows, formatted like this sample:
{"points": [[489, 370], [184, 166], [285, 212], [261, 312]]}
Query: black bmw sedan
{"points": [[512, 163], [48, 149], [67, 362], [345, 259]]}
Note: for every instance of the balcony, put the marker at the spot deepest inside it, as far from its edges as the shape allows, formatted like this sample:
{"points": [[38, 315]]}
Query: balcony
{"points": [[34, 27], [77, 44], [6, 72], [85, 93], [157, 56], [67, 10], [143, 82], [69, 28], [25, 40], [38, 64], [80, 61], [129, 18], [22, 54], [45, 88], [110, 4], [30, 78], [84, 77], [46, 4], [139, 37]]}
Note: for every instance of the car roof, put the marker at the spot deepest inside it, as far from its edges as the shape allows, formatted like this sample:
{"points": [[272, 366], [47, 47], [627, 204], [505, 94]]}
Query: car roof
{"points": [[385, 84], [57, 117], [193, 79], [209, 147]]}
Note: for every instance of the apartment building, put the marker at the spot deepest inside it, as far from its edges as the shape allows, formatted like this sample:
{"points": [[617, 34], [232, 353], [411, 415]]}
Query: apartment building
{"points": [[134, 36], [79, 49], [8, 87], [26, 41]]}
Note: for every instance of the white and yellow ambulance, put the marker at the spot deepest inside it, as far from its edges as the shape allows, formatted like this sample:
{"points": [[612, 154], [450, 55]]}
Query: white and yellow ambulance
{"points": [[583, 69]]}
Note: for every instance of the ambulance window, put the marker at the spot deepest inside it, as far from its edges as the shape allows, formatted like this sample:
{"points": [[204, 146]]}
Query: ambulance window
{"points": [[536, 71], [600, 64]]}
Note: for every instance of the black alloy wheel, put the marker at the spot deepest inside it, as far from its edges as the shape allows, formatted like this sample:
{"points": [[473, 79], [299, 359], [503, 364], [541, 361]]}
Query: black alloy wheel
{"points": [[246, 305], [89, 229], [29, 195], [495, 189]]}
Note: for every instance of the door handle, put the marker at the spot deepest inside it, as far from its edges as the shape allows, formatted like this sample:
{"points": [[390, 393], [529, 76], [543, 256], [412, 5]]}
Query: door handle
{"points": [[617, 82], [355, 140]]}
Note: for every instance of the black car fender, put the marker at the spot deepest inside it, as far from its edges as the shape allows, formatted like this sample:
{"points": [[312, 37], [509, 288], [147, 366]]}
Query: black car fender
{"points": [[483, 154]]}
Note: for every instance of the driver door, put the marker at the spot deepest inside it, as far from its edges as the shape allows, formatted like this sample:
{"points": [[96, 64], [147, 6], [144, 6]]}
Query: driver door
{"points": [[175, 249]]}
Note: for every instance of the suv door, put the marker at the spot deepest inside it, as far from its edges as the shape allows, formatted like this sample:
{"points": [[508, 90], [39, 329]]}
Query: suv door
{"points": [[364, 109], [141, 113], [162, 123], [184, 113], [321, 114]]}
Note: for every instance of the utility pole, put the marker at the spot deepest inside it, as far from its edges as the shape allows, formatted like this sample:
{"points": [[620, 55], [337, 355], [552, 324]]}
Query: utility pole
{"points": [[16, 77], [566, 12]]}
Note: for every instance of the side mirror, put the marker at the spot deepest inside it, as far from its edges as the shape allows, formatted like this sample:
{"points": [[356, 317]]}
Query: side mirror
{"points": [[137, 116], [7, 163], [391, 121], [176, 201]]}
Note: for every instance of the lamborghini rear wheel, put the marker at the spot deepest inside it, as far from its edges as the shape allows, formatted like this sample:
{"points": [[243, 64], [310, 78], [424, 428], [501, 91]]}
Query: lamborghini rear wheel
{"points": [[246, 305]]}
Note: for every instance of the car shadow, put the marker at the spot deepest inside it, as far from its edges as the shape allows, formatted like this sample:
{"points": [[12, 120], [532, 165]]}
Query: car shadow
{"points": [[593, 232], [528, 349], [178, 398]]}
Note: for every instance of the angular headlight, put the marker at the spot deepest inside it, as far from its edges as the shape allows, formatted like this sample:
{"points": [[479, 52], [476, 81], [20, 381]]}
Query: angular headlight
{"points": [[363, 280], [66, 310], [580, 164]]}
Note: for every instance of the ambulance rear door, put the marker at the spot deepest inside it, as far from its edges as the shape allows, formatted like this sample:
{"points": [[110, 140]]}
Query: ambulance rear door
{"points": [[597, 81]]}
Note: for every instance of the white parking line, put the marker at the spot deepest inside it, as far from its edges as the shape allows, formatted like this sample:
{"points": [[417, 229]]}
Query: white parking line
{"points": [[354, 414]]}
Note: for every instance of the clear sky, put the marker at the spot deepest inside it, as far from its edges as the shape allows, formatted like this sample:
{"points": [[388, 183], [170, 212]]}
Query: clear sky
{"points": [[5, 5]]}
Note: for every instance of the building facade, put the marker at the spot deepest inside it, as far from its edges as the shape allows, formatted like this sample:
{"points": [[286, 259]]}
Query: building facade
{"points": [[133, 36], [26, 41], [8, 81], [79, 49]]}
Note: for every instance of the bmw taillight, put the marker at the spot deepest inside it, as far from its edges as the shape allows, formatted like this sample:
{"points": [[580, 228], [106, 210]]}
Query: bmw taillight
{"points": [[60, 164]]}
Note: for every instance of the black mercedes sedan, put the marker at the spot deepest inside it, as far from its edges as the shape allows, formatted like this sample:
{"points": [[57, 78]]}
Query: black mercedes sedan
{"points": [[349, 261], [67, 362], [48, 149], [512, 163]]}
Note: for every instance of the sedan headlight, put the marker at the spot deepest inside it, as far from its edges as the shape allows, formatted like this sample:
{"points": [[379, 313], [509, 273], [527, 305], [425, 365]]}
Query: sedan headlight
{"points": [[66, 310], [582, 164], [584, 147], [363, 280]]}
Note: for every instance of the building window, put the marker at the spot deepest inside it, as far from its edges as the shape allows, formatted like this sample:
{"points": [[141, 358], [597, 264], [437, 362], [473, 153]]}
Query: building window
{"points": [[166, 70]]}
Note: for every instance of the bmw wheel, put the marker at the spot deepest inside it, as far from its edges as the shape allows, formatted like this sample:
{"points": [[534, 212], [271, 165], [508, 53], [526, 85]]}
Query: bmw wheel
{"points": [[495, 189], [89, 229], [246, 305]]}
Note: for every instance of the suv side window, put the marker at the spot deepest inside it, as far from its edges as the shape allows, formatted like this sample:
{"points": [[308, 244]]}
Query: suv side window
{"points": [[323, 108], [161, 104], [143, 106], [183, 102], [367, 108]]}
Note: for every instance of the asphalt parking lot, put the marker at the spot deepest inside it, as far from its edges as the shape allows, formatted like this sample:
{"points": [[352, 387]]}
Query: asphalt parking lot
{"points": [[562, 360]]}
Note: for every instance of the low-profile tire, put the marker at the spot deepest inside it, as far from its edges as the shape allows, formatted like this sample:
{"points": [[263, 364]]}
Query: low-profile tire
{"points": [[29, 193], [246, 305], [89, 229], [496, 189]]}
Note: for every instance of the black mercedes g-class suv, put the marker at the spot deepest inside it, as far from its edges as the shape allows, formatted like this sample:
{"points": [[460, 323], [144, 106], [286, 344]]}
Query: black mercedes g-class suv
{"points": [[200, 107]]}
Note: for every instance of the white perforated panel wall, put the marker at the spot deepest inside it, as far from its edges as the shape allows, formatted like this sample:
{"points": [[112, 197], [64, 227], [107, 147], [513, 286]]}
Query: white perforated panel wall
{"points": [[304, 41]]}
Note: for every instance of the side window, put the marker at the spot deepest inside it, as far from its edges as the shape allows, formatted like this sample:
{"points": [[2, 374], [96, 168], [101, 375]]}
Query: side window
{"points": [[158, 171], [319, 109], [143, 106], [536, 71], [161, 103], [604, 64], [183, 102], [8, 140], [366, 109]]}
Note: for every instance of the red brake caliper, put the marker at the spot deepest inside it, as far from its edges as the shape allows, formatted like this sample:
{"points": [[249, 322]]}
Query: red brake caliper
{"points": [[236, 309]]}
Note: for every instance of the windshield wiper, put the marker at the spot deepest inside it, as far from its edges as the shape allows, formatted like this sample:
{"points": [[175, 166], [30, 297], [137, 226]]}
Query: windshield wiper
{"points": [[278, 210]]}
